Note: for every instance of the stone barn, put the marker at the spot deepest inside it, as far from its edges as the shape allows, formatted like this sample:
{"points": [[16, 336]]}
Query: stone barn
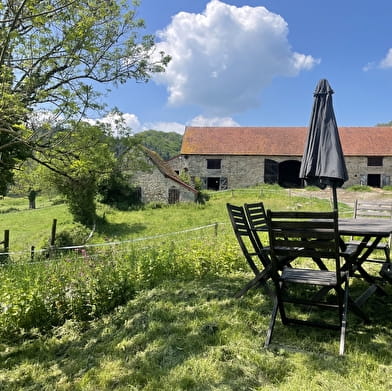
{"points": [[159, 183], [236, 157]]}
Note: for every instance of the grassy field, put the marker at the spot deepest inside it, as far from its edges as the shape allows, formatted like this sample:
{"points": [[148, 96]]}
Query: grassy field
{"points": [[32, 227], [182, 328]]}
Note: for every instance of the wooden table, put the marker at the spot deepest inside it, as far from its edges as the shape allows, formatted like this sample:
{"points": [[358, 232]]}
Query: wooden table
{"points": [[371, 231]]}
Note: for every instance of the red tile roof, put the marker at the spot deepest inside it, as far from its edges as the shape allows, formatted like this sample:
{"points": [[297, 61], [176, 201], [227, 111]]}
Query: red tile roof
{"points": [[280, 141]]}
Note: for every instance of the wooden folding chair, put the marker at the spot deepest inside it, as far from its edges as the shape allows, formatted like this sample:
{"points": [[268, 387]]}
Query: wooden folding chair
{"points": [[255, 254], [256, 215], [308, 235]]}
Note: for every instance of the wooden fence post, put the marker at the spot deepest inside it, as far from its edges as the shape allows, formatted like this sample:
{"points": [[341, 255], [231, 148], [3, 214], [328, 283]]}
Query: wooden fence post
{"points": [[52, 238], [6, 246], [6, 240]]}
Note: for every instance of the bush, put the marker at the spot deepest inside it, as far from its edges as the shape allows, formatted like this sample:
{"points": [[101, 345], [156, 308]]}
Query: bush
{"points": [[41, 296], [72, 237], [83, 286], [117, 192]]}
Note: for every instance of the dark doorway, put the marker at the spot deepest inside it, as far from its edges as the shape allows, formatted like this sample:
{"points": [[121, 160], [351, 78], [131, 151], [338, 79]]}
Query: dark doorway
{"points": [[374, 180], [289, 173], [174, 196], [213, 183], [271, 171]]}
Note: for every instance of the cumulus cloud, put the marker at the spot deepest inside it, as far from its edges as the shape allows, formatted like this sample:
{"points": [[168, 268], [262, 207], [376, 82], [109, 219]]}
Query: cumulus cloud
{"points": [[223, 57], [130, 123], [200, 120], [165, 126], [385, 63], [119, 123]]}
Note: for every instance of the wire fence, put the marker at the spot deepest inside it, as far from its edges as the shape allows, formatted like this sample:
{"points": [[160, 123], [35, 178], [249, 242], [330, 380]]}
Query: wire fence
{"points": [[54, 253], [8, 258]]}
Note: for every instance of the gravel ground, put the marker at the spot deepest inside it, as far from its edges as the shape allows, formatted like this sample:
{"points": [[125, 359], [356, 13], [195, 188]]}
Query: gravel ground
{"points": [[346, 196]]}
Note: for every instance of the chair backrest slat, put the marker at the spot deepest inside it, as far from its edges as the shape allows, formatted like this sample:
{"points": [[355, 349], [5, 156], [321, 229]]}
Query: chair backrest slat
{"points": [[311, 234], [256, 216], [250, 247]]}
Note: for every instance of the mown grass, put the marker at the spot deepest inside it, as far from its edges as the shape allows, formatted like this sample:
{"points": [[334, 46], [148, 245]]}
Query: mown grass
{"points": [[181, 327], [194, 336]]}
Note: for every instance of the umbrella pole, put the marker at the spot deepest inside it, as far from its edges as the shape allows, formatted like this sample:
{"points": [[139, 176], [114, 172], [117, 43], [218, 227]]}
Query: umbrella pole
{"points": [[335, 198]]}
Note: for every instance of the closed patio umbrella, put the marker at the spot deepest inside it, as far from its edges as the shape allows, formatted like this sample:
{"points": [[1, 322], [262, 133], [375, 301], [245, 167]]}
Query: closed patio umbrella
{"points": [[323, 160]]}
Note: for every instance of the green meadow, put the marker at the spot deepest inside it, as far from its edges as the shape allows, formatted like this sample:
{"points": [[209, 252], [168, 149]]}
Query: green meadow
{"points": [[149, 304]]}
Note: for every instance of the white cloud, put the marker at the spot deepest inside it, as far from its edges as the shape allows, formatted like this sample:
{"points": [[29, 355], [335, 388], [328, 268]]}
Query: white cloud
{"points": [[369, 66], [131, 121], [224, 57], [119, 122], [386, 62], [200, 120], [165, 127], [127, 121]]}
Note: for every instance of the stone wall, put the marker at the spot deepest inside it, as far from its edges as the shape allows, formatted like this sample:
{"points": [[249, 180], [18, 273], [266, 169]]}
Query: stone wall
{"points": [[244, 171], [155, 187], [240, 171], [358, 170]]}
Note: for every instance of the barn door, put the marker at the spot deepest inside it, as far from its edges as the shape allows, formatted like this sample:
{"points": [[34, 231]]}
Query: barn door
{"points": [[174, 195], [223, 183], [271, 171], [386, 180]]}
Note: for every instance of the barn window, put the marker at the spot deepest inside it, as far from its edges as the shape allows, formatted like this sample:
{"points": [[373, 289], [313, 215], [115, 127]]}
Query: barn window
{"points": [[174, 196], [375, 161], [214, 164]]}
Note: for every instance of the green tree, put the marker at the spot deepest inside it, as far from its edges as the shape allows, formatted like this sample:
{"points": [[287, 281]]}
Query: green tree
{"points": [[85, 160], [28, 181], [386, 124], [53, 55], [165, 144]]}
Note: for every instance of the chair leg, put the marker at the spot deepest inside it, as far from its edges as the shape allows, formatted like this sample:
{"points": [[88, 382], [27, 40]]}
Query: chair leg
{"points": [[344, 321], [259, 281], [387, 254], [272, 323]]}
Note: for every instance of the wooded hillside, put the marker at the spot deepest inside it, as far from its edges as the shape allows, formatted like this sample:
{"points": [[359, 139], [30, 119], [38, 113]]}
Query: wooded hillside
{"points": [[166, 144]]}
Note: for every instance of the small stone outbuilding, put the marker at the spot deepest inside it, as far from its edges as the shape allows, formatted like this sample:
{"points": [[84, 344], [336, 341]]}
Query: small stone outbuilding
{"points": [[235, 157], [159, 183]]}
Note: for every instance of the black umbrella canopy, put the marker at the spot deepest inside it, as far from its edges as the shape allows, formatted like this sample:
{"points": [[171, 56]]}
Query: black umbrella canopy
{"points": [[323, 160]]}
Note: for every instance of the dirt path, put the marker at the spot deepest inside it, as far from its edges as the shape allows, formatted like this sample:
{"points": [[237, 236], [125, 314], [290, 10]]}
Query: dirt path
{"points": [[346, 196]]}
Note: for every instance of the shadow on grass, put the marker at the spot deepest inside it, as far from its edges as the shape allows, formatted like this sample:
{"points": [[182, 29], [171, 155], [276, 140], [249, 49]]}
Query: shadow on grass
{"points": [[119, 229], [366, 343], [184, 335], [188, 336]]}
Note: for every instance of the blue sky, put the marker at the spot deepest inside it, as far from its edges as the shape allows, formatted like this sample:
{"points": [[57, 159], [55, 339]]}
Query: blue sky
{"points": [[257, 63]]}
